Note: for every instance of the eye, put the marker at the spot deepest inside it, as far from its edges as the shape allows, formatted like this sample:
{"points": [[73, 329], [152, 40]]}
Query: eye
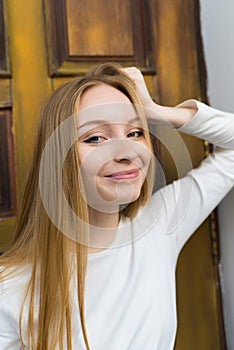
{"points": [[95, 139], [135, 134]]}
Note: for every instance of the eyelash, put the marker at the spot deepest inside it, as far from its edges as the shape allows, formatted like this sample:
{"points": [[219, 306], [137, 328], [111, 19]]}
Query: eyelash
{"points": [[139, 132], [93, 139]]}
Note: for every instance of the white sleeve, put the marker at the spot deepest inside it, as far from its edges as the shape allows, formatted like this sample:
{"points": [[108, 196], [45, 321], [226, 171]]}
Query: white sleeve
{"points": [[188, 201], [9, 335]]}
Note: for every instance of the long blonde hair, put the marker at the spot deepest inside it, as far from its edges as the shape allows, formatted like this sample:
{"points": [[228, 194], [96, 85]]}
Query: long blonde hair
{"points": [[38, 243]]}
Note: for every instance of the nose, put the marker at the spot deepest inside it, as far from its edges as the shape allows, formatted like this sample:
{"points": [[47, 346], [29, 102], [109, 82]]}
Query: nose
{"points": [[124, 151], [123, 159]]}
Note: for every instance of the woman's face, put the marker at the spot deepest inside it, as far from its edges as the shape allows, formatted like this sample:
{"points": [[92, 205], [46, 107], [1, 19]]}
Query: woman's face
{"points": [[112, 148]]}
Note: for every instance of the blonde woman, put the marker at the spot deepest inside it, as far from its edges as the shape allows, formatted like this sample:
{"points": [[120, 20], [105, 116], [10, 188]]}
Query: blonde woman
{"points": [[92, 263]]}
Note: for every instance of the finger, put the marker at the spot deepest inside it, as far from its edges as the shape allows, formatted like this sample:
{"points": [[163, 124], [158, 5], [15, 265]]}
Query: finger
{"points": [[134, 74], [132, 71]]}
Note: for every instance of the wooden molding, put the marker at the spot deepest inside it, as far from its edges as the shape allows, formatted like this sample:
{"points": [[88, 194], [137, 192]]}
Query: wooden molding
{"points": [[4, 52], [7, 173]]}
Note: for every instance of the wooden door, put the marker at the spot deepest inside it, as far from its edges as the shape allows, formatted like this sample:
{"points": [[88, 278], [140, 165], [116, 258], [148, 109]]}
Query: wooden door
{"points": [[45, 42]]}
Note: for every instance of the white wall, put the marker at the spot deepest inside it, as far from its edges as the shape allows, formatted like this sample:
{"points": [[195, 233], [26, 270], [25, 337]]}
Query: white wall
{"points": [[217, 21]]}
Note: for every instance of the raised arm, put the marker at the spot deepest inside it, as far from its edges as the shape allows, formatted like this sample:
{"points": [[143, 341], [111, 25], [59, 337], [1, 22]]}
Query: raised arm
{"points": [[188, 201], [176, 116]]}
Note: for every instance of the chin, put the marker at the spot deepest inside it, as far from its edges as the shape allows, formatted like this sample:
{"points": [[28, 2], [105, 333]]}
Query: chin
{"points": [[124, 199], [108, 204], [132, 199]]}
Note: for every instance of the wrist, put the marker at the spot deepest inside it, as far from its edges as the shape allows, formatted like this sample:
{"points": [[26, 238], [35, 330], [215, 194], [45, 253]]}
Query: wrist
{"points": [[176, 116]]}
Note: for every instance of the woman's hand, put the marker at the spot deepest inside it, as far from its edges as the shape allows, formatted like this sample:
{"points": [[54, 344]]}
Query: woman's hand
{"points": [[176, 116], [141, 89]]}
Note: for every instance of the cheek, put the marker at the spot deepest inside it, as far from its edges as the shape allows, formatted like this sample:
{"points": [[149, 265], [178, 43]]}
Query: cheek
{"points": [[146, 155], [91, 160], [87, 159], [83, 151]]}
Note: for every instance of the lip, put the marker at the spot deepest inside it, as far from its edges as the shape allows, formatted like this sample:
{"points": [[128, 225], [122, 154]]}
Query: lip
{"points": [[124, 175]]}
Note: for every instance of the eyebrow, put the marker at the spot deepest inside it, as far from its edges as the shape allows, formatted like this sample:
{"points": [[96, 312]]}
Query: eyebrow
{"points": [[100, 122]]}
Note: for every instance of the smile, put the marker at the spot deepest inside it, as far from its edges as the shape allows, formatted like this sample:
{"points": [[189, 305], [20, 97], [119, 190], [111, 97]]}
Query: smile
{"points": [[124, 175]]}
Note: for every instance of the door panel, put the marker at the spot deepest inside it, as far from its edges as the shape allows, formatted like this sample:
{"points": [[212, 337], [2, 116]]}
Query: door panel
{"points": [[82, 33], [90, 35], [52, 40]]}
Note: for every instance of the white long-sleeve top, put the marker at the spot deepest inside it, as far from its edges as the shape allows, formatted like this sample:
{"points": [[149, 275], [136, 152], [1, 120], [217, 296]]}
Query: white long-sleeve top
{"points": [[130, 298]]}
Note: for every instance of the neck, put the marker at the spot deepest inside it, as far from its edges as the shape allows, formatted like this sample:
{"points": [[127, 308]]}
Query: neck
{"points": [[103, 220], [103, 227]]}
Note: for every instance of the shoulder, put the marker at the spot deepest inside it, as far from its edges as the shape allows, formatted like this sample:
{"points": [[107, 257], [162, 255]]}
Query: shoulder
{"points": [[12, 294], [13, 284]]}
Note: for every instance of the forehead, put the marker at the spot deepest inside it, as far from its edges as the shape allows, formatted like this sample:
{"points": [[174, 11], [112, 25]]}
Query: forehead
{"points": [[101, 93], [104, 103]]}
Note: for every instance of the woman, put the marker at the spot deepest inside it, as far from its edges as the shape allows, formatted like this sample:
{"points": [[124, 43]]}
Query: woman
{"points": [[92, 266]]}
